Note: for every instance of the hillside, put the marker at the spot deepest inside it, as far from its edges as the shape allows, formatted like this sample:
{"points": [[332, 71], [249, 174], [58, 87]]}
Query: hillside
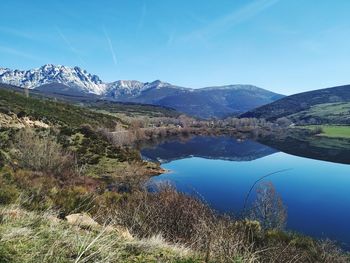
{"points": [[78, 85], [321, 106], [325, 113], [13, 103], [72, 111], [209, 102], [218, 101]]}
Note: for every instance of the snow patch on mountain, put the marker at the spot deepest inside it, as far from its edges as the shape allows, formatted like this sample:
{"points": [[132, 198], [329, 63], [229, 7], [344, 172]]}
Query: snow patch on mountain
{"points": [[73, 77], [76, 78]]}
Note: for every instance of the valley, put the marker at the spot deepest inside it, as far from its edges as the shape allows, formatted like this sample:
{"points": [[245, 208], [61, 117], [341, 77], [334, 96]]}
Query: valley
{"points": [[114, 160], [174, 131]]}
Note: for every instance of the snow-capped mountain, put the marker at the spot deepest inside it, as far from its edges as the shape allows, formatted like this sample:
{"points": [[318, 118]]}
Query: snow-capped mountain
{"points": [[78, 84], [73, 77], [122, 89]]}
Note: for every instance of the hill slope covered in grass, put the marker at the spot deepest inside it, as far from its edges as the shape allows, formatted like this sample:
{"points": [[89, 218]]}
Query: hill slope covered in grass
{"points": [[325, 105], [325, 113], [70, 112], [50, 111]]}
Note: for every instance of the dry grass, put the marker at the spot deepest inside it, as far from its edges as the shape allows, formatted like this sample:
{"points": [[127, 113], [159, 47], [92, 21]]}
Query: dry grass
{"points": [[31, 237], [181, 219]]}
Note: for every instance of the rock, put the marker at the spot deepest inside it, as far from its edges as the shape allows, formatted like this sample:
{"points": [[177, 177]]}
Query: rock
{"points": [[82, 220], [123, 233], [86, 222]]}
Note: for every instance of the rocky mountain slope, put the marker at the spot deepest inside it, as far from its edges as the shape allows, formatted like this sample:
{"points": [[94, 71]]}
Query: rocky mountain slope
{"points": [[72, 77]]}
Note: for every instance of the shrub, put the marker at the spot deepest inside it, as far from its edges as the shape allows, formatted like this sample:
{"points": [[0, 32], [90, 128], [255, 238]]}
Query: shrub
{"points": [[41, 153], [316, 130], [175, 215], [73, 200]]}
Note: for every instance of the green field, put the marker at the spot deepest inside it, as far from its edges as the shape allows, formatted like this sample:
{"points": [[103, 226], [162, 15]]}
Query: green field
{"points": [[333, 131]]}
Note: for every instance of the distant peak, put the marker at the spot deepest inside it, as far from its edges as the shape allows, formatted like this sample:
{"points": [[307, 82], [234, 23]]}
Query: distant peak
{"points": [[46, 66], [50, 73], [159, 84]]}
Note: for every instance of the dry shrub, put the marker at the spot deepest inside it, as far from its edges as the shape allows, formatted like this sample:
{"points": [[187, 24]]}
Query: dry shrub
{"points": [[182, 219], [174, 215], [119, 137], [41, 153]]}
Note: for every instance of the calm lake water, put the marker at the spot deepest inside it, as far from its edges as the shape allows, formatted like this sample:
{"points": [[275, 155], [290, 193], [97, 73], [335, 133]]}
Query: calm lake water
{"points": [[222, 170]]}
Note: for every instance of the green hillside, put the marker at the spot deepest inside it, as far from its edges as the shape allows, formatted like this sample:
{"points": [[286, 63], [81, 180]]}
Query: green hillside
{"points": [[333, 113], [50, 111], [329, 105]]}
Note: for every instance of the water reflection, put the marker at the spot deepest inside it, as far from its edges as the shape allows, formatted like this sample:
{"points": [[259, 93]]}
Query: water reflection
{"points": [[221, 148], [222, 171]]}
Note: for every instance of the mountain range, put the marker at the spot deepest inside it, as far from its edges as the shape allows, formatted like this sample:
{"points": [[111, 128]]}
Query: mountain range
{"points": [[207, 102]]}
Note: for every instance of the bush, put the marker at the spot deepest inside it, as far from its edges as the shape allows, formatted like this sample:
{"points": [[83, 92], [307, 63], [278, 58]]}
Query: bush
{"points": [[41, 153], [73, 200], [316, 130], [175, 215]]}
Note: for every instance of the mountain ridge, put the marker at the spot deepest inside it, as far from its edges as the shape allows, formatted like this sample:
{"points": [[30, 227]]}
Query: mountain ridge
{"points": [[208, 102]]}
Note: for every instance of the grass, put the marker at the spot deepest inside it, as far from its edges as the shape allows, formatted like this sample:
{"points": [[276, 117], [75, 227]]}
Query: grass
{"points": [[41, 237], [336, 131], [332, 131]]}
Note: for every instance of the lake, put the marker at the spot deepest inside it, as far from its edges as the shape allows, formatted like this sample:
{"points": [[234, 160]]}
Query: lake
{"points": [[221, 170]]}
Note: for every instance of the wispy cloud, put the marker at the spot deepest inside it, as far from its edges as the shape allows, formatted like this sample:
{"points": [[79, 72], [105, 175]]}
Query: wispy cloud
{"points": [[69, 44], [109, 41], [142, 16], [230, 20], [16, 52], [16, 33]]}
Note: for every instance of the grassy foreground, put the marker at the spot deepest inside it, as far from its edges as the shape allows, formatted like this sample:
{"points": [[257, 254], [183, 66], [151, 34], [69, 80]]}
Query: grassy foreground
{"points": [[41, 237]]}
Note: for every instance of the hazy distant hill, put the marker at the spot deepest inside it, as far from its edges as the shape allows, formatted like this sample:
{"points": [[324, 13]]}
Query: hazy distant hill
{"points": [[205, 102], [329, 105], [62, 81]]}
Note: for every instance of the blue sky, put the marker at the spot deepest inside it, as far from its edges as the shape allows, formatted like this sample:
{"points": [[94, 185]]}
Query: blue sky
{"points": [[286, 46]]}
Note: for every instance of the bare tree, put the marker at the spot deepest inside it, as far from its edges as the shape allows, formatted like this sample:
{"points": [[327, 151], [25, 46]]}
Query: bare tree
{"points": [[268, 207]]}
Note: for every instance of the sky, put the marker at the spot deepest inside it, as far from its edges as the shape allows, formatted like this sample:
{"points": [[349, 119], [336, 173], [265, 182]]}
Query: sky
{"points": [[287, 46]]}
